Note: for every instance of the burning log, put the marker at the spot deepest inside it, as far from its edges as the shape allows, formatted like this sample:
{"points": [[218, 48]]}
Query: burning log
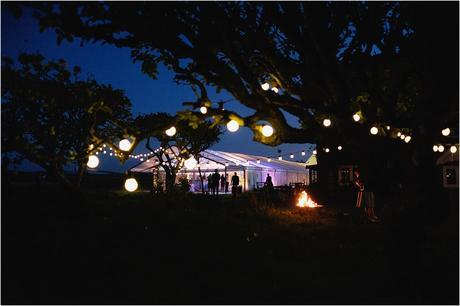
{"points": [[306, 201]]}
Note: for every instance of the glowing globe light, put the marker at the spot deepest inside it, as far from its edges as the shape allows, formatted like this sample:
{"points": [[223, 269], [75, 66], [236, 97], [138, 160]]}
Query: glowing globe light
{"points": [[315, 152], [339, 148], [203, 110], [374, 130], [435, 148], [93, 161], [280, 157], [453, 149], [124, 145], [407, 139], [388, 127], [190, 163], [258, 161], [327, 122], [269, 160], [291, 156], [303, 153], [131, 184], [171, 131], [327, 150], [267, 131], [399, 134], [356, 117], [265, 86], [441, 148], [275, 90], [233, 126], [91, 146], [402, 136], [226, 164], [446, 132]]}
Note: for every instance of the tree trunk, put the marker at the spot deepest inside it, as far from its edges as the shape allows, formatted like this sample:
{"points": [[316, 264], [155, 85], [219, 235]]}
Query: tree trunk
{"points": [[170, 180], [201, 180], [81, 171]]}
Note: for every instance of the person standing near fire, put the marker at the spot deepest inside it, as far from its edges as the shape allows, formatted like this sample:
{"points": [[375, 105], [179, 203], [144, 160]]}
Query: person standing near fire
{"points": [[365, 197]]}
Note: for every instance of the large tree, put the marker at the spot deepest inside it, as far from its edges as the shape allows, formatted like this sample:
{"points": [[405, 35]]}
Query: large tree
{"points": [[53, 118], [389, 62]]}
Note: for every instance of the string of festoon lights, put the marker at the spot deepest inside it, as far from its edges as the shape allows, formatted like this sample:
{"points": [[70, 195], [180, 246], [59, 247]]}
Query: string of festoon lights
{"points": [[267, 131]]}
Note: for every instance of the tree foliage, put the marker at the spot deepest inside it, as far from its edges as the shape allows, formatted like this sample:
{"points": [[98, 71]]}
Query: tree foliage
{"points": [[328, 59], [53, 118]]}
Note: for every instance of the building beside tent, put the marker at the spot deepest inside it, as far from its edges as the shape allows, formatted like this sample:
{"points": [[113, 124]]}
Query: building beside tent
{"points": [[252, 170]]}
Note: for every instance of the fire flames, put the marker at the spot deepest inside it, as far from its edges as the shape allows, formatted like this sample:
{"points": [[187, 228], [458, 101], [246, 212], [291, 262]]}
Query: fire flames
{"points": [[305, 201]]}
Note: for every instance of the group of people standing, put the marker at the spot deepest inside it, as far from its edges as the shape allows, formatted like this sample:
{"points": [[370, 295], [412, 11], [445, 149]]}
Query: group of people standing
{"points": [[216, 183]]}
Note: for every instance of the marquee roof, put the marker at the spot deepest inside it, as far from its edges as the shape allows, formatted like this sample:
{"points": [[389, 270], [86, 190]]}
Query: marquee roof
{"points": [[211, 159]]}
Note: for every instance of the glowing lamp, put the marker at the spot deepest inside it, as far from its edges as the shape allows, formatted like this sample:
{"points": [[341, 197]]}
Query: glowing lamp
{"points": [[265, 86], [124, 145], [315, 152], [327, 122], [280, 157], [93, 161], [441, 148], [233, 126], [399, 134], [402, 136], [269, 160], [407, 139], [171, 131], [356, 117], [291, 156], [453, 149], [258, 161], [226, 164], [388, 127], [374, 130], [327, 150], [435, 148], [190, 163], [203, 110], [303, 153], [275, 90], [339, 148], [267, 131], [445, 132], [131, 184]]}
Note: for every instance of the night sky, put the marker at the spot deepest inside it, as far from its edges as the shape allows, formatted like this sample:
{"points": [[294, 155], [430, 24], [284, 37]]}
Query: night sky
{"points": [[111, 65]]}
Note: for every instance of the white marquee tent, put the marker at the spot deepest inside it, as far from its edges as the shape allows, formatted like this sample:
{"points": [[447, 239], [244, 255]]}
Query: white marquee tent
{"points": [[252, 170]]}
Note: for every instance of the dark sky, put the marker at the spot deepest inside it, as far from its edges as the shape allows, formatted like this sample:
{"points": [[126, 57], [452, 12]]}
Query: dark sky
{"points": [[111, 65]]}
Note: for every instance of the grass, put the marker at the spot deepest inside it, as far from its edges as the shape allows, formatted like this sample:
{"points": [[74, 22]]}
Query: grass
{"points": [[101, 247]]}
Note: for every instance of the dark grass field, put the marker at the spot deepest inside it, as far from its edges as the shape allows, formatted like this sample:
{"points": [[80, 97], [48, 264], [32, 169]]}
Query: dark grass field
{"points": [[100, 247]]}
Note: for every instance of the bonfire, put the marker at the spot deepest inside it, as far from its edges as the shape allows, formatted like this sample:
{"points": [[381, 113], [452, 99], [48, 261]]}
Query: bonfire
{"points": [[306, 201]]}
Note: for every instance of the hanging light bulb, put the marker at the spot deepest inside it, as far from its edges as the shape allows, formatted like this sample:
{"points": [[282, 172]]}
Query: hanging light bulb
{"points": [[303, 153], [407, 139], [265, 86], [203, 110], [124, 145], [402, 136], [435, 148], [190, 163], [327, 150], [269, 160], [374, 130], [275, 90], [267, 130], [399, 134], [258, 161], [291, 156], [171, 131], [93, 161], [131, 184], [388, 127], [280, 157], [327, 122], [226, 164], [453, 149], [445, 132], [356, 117], [441, 148], [339, 148], [233, 126], [315, 152]]}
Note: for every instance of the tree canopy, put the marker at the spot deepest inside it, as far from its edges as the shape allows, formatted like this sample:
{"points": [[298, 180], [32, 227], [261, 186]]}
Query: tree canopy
{"points": [[53, 118], [389, 62]]}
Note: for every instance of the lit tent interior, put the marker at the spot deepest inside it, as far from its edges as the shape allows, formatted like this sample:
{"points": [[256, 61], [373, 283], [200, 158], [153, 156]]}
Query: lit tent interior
{"points": [[252, 170]]}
